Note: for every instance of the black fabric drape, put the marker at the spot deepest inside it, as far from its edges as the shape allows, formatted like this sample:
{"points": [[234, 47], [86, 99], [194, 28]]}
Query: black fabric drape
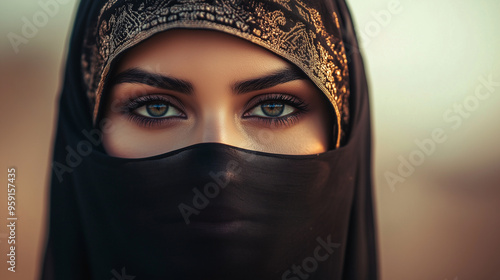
{"points": [[209, 211]]}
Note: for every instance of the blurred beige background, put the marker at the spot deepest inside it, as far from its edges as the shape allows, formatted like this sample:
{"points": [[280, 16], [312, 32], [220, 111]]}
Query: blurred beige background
{"points": [[438, 215]]}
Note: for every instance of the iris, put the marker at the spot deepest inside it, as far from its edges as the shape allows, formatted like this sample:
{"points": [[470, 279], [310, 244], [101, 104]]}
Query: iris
{"points": [[157, 109], [272, 109]]}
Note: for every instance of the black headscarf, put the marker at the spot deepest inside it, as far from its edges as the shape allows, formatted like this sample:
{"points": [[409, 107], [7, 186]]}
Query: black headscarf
{"points": [[212, 211]]}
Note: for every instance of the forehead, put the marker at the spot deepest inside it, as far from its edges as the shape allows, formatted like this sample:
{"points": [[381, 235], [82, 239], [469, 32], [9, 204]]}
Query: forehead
{"points": [[187, 53]]}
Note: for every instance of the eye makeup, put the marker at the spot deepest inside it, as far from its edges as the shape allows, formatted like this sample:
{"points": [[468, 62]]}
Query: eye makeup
{"points": [[274, 100], [158, 110], [162, 110]]}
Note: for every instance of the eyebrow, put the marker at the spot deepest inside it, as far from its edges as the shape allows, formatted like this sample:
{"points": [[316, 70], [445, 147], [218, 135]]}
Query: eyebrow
{"points": [[139, 76], [280, 77]]}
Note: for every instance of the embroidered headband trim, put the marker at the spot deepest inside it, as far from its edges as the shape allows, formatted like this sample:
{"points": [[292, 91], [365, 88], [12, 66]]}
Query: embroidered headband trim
{"points": [[288, 28]]}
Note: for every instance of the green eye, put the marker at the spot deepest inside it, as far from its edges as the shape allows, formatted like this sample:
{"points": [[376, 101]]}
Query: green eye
{"points": [[158, 110], [272, 109]]}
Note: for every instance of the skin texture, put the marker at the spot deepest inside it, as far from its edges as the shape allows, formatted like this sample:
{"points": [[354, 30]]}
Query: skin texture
{"points": [[223, 104]]}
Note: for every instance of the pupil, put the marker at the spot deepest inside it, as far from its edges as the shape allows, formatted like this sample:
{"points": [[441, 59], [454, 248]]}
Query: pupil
{"points": [[157, 110], [272, 109]]}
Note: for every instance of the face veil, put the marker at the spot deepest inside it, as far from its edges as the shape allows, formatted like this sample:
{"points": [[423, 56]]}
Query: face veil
{"points": [[212, 211]]}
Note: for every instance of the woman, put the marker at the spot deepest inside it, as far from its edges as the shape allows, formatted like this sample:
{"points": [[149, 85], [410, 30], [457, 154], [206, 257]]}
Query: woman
{"points": [[212, 140]]}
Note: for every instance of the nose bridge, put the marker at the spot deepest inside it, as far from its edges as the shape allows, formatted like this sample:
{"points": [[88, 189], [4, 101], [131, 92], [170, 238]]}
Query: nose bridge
{"points": [[216, 125]]}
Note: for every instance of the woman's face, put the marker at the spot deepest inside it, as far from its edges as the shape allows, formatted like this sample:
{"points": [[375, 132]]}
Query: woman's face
{"points": [[183, 87]]}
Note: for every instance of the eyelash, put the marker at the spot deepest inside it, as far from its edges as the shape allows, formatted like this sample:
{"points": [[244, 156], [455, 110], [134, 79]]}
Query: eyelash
{"points": [[288, 120], [134, 104]]}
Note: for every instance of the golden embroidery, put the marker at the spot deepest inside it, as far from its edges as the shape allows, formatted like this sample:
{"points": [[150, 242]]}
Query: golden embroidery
{"points": [[284, 3], [289, 28]]}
